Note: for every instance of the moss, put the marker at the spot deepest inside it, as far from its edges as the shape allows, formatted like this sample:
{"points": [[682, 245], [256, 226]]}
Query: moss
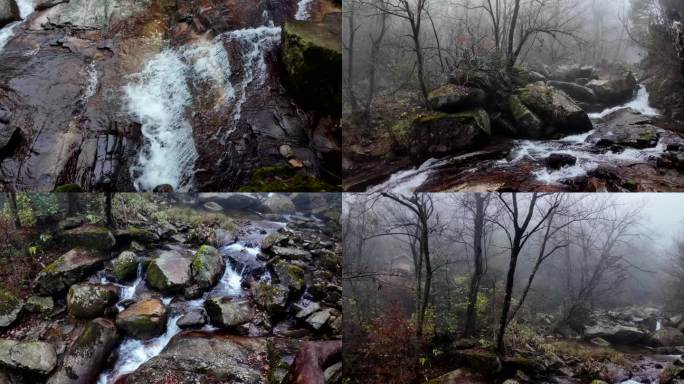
{"points": [[630, 186], [648, 135], [90, 336], [401, 130], [155, 276], [8, 302], [285, 179], [68, 188]]}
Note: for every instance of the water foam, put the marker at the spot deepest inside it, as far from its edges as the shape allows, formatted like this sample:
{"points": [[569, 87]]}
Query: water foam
{"points": [[7, 32], [304, 10], [639, 104], [159, 98], [409, 180]]}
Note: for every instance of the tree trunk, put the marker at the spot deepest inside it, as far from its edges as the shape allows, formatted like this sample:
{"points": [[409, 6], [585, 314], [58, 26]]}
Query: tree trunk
{"points": [[510, 279], [14, 209], [478, 224], [428, 274], [108, 209], [511, 36]]}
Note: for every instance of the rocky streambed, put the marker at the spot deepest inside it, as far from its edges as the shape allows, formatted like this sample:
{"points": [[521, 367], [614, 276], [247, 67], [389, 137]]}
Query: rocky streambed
{"points": [[534, 136], [177, 303], [175, 95]]}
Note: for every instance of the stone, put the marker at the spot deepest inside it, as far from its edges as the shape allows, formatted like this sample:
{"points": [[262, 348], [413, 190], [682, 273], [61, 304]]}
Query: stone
{"points": [[90, 300], [443, 134], [270, 297], [560, 160], [10, 308], [40, 304], [459, 376], [67, 270], [87, 355], [291, 253], [615, 333], [479, 360], [272, 239], [312, 58], [290, 275], [278, 203], [286, 151], [170, 272], [308, 310], [668, 337], [454, 98], [208, 266], [70, 222], [9, 12], [125, 266], [559, 113], [528, 124], [89, 237], [229, 311], [213, 206], [576, 91], [33, 356], [618, 89], [195, 318], [144, 319], [140, 235], [318, 319]]}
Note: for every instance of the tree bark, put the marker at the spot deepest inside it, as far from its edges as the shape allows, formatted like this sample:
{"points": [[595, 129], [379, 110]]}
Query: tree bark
{"points": [[478, 225], [108, 209]]}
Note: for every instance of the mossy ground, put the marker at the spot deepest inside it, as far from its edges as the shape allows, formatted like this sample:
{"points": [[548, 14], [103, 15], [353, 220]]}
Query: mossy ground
{"points": [[285, 179]]}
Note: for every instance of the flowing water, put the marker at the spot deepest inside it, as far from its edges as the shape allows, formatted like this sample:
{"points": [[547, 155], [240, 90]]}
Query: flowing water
{"points": [[133, 353], [161, 96], [7, 32], [580, 146], [304, 9]]}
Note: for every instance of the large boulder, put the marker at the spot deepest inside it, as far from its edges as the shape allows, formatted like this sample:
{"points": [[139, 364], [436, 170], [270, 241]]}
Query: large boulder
{"points": [[68, 269], [616, 90], [141, 235], [578, 92], [277, 203], [34, 356], [459, 376], [628, 128], [125, 266], [560, 114], [270, 297], [90, 300], [89, 237], [198, 358], [528, 124], [207, 267], [9, 12], [170, 272], [444, 134], [88, 354], [10, 308], [40, 304], [312, 56], [232, 201], [668, 337], [229, 311], [290, 275], [454, 98], [144, 319], [615, 333]]}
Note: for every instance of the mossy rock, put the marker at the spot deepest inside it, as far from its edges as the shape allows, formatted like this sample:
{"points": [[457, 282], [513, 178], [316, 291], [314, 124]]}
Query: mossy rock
{"points": [[125, 266], [480, 360], [89, 300], [312, 55], [285, 179], [40, 304], [229, 311], [559, 113], [89, 237], [455, 98], [270, 297], [68, 269], [143, 320], [401, 132], [140, 235], [10, 308], [290, 275], [529, 124], [207, 266]]}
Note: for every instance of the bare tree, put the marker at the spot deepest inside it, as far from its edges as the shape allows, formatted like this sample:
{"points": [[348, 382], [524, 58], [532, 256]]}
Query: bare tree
{"points": [[478, 259]]}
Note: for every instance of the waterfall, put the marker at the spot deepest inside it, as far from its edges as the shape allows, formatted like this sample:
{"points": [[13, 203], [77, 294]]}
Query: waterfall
{"points": [[7, 32], [304, 10], [639, 104]]}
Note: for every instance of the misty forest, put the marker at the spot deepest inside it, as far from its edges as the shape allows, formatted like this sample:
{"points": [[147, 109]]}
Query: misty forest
{"points": [[170, 288], [513, 95], [512, 288]]}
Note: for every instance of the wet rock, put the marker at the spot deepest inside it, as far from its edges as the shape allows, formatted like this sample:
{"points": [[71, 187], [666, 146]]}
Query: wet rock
{"points": [[277, 203], [170, 272], [207, 267], [312, 56], [125, 266], [291, 253], [480, 360], [626, 127], [290, 275], [40, 304], [9, 12], [163, 188], [143, 320], [615, 333], [560, 160], [195, 318], [616, 90], [90, 300], [89, 14], [270, 297], [272, 239], [199, 358], [229, 311], [44, 4], [560, 114], [33, 356], [233, 201], [444, 134], [454, 98], [89, 237], [333, 374], [213, 206], [566, 72], [68, 269], [140, 235], [668, 337], [528, 124], [308, 310], [10, 308], [86, 357], [319, 318], [577, 92], [286, 151]]}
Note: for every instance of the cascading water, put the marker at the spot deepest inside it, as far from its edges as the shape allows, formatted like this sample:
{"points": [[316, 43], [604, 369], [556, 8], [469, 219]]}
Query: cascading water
{"points": [[7, 32], [639, 104], [304, 10], [161, 95]]}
